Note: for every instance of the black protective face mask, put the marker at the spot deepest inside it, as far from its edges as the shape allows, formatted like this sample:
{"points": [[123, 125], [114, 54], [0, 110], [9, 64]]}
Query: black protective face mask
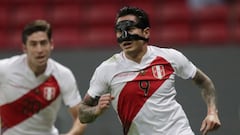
{"points": [[124, 26]]}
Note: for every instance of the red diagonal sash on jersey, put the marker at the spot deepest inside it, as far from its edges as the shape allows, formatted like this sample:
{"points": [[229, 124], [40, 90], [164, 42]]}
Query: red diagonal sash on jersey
{"points": [[29, 104], [136, 92]]}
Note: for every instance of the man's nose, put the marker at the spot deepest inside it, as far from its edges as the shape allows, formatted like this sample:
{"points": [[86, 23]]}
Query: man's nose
{"points": [[39, 47], [124, 34]]}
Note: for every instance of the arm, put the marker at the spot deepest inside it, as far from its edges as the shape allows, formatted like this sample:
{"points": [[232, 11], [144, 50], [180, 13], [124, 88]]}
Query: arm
{"points": [[77, 128], [91, 108], [211, 121]]}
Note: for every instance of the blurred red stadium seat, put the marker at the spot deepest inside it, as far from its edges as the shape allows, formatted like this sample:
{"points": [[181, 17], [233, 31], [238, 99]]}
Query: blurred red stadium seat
{"points": [[69, 15], [236, 34], [4, 17], [173, 1], [212, 34], [173, 13], [21, 15], [100, 19], [78, 22], [101, 36], [14, 39], [211, 25], [173, 23], [26, 2], [213, 14], [3, 40], [100, 14], [67, 38], [171, 34], [73, 2], [148, 6], [236, 13]]}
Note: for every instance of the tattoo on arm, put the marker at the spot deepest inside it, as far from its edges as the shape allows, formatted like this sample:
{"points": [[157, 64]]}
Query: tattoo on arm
{"points": [[87, 111], [207, 86]]}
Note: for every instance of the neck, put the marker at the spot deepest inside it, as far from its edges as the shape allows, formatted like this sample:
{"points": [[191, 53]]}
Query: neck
{"points": [[137, 55], [38, 70]]}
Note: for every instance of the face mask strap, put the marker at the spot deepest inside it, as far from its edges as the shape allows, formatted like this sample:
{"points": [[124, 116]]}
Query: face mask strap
{"points": [[123, 27]]}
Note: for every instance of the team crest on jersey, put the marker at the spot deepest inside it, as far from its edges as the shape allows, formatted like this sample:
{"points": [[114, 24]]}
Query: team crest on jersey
{"points": [[49, 93], [158, 71]]}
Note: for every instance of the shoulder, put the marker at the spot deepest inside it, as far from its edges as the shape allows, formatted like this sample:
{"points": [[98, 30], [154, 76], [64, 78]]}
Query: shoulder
{"points": [[107, 68], [110, 63], [59, 68], [164, 52], [12, 65], [63, 75], [14, 62], [163, 49]]}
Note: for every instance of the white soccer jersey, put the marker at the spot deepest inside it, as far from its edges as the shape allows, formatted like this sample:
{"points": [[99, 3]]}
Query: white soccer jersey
{"points": [[29, 104], [145, 93]]}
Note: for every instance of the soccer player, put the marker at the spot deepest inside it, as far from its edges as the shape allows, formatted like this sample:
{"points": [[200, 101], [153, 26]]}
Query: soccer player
{"points": [[139, 83], [33, 86]]}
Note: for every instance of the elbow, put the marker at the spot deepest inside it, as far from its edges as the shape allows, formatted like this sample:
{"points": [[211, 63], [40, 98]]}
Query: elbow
{"points": [[202, 80]]}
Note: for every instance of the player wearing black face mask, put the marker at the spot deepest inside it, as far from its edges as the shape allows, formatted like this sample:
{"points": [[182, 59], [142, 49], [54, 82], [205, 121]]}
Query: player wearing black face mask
{"points": [[146, 74], [124, 27]]}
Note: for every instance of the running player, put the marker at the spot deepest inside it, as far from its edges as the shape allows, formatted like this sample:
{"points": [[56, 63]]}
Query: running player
{"points": [[139, 82], [32, 87]]}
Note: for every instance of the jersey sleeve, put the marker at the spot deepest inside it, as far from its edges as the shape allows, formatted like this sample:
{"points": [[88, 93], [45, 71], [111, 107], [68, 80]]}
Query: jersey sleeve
{"points": [[3, 67], [71, 95], [1, 71], [184, 68], [98, 83]]}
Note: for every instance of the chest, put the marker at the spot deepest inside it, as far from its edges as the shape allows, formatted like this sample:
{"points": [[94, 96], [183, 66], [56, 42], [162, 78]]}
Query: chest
{"points": [[17, 85], [145, 81]]}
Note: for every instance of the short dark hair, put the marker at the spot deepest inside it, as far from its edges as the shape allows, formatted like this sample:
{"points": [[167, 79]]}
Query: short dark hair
{"points": [[37, 25], [140, 14]]}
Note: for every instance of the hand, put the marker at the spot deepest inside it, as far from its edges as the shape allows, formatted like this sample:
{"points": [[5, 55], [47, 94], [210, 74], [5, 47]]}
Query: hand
{"points": [[211, 122], [104, 103]]}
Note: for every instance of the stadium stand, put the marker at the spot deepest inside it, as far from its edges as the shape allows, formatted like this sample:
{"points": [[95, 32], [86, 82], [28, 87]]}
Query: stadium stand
{"points": [[80, 23], [173, 23], [3, 17], [211, 25]]}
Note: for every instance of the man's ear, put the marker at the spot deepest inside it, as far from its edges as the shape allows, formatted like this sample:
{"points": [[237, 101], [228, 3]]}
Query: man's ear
{"points": [[24, 49], [146, 32], [52, 44]]}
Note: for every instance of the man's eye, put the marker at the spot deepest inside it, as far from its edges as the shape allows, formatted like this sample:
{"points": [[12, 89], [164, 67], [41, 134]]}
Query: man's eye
{"points": [[43, 42], [33, 43], [130, 30], [118, 31]]}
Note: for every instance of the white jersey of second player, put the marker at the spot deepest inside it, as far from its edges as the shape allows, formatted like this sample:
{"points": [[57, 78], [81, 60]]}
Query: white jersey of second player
{"points": [[29, 104], [144, 92]]}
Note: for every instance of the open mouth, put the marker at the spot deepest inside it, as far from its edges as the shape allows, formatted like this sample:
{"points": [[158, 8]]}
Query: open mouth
{"points": [[127, 43], [40, 58]]}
